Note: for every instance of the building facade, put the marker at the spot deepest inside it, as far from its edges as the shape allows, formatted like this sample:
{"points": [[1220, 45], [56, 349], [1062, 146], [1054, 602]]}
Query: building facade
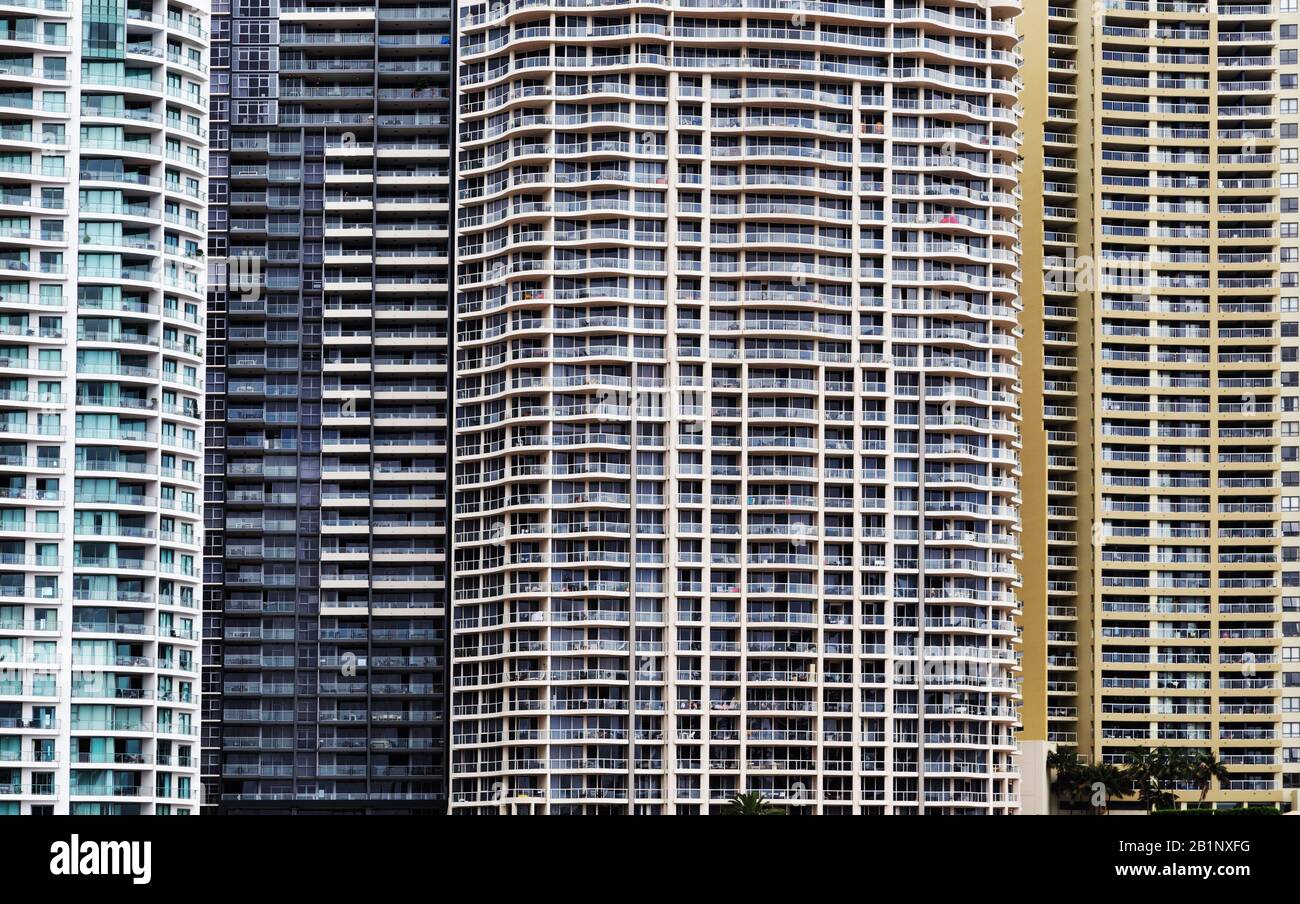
{"points": [[103, 114], [737, 420], [1289, 163], [1157, 140], [327, 408]]}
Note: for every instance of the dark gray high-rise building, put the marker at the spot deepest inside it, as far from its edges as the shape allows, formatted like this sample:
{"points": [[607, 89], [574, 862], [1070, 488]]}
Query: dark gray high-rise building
{"points": [[327, 405]]}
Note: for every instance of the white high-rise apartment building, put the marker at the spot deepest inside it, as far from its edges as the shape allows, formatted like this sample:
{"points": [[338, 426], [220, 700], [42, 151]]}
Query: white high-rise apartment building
{"points": [[103, 108], [736, 406]]}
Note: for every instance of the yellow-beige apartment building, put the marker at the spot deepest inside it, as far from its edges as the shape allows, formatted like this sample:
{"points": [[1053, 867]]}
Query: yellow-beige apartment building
{"points": [[1160, 387]]}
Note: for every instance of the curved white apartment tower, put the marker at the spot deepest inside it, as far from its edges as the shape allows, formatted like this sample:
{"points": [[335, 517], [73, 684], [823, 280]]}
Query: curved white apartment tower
{"points": [[736, 395], [102, 111]]}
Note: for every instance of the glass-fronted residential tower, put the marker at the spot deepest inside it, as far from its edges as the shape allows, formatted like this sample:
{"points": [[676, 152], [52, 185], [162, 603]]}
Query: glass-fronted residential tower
{"points": [[736, 410], [327, 407], [103, 113]]}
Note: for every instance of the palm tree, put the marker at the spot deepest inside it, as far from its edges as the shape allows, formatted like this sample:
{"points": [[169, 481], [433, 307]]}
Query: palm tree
{"points": [[751, 804], [1152, 771], [1065, 772], [1107, 778], [1178, 768], [1203, 768], [1063, 758], [1145, 768]]}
